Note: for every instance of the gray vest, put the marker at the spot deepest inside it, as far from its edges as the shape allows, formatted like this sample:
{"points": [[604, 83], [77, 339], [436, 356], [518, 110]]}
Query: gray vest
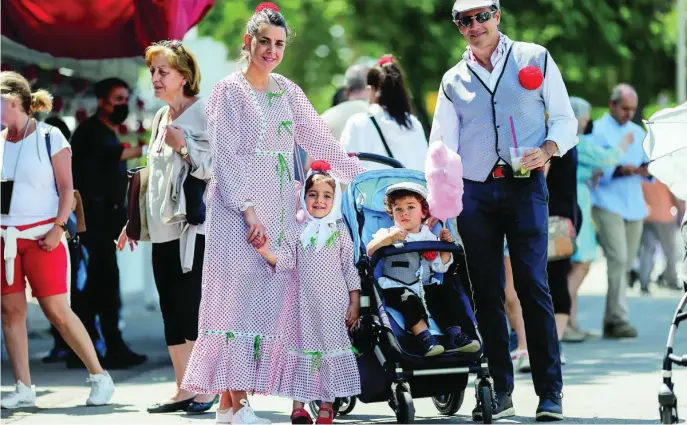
{"points": [[483, 116], [402, 268]]}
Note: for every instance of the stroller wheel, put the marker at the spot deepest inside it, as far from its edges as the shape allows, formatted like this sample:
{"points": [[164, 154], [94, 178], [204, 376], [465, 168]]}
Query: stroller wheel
{"points": [[449, 404], [405, 410], [668, 414], [486, 401]]}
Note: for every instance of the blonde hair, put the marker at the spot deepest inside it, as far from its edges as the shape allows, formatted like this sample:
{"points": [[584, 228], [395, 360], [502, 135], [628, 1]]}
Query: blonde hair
{"points": [[14, 85], [179, 58]]}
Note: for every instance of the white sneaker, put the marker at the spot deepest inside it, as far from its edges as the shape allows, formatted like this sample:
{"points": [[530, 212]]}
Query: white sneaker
{"points": [[523, 364], [246, 415], [102, 389], [224, 417], [22, 396]]}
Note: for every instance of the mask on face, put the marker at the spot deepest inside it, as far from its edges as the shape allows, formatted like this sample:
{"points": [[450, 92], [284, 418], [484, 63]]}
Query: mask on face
{"points": [[119, 114]]}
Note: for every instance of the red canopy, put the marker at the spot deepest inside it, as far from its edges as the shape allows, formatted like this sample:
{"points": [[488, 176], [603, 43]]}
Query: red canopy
{"points": [[98, 29]]}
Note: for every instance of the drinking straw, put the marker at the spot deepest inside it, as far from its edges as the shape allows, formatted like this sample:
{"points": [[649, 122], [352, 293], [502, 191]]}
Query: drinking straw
{"points": [[512, 130]]}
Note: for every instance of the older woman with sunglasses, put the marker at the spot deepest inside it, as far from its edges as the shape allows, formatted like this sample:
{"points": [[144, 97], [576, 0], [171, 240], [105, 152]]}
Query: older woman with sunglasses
{"points": [[178, 150], [513, 84]]}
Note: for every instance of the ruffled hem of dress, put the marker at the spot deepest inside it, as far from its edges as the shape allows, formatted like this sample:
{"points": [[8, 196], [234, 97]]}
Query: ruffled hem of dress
{"points": [[308, 376], [235, 361]]}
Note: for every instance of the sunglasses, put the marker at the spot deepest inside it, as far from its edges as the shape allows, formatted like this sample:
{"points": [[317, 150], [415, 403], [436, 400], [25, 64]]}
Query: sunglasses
{"points": [[482, 17]]}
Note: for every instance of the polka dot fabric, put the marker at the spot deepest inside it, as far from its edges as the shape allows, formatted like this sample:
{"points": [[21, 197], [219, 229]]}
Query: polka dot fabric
{"points": [[319, 362], [245, 305]]}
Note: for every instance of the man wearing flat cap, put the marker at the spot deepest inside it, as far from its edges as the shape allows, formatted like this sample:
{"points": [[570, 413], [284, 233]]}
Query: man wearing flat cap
{"points": [[491, 110]]}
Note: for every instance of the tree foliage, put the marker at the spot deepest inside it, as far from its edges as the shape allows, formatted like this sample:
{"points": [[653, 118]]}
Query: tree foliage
{"points": [[596, 43]]}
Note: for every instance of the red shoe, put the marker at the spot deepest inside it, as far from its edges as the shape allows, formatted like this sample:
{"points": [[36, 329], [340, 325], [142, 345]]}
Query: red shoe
{"points": [[300, 416], [327, 420]]}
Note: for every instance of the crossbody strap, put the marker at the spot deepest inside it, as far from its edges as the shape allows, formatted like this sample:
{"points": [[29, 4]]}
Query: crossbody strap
{"points": [[48, 148], [381, 136]]}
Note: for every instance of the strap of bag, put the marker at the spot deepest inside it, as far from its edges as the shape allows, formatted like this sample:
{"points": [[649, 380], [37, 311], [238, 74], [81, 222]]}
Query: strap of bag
{"points": [[156, 124], [49, 149], [299, 164], [381, 136]]}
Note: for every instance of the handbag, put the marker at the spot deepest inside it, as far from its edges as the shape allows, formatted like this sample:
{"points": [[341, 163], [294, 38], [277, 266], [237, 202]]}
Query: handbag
{"points": [[194, 188], [76, 223], [562, 238], [137, 224]]}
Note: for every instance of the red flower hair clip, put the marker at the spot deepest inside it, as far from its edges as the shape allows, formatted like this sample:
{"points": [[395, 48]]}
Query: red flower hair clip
{"points": [[266, 5], [321, 166], [385, 59]]}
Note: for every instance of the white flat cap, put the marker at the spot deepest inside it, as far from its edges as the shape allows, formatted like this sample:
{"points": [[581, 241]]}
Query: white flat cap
{"points": [[464, 5]]}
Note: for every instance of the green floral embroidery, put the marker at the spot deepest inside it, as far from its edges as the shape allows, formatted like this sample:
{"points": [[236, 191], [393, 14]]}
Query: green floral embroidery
{"points": [[355, 351], [316, 360], [313, 241], [285, 125], [331, 240], [229, 335], [284, 175], [256, 347], [272, 95]]}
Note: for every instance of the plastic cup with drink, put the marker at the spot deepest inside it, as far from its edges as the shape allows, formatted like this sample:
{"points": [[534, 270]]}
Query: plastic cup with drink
{"points": [[516, 154]]}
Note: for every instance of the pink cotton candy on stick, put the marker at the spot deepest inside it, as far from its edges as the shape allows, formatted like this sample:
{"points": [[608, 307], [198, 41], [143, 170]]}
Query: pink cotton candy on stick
{"points": [[444, 175]]}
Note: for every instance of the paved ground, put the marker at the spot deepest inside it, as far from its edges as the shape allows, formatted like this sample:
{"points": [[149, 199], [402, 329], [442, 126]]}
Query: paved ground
{"points": [[605, 381]]}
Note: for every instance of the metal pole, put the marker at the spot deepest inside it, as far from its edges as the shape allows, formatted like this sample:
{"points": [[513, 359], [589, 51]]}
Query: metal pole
{"points": [[681, 60]]}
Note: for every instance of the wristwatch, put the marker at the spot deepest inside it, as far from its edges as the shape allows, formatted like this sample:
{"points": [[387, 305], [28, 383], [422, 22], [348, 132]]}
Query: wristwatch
{"points": [[183, 152], [62, 225]]}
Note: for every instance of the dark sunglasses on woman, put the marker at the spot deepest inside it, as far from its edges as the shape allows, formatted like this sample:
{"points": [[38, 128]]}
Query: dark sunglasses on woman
{"points": [[482, 17]]}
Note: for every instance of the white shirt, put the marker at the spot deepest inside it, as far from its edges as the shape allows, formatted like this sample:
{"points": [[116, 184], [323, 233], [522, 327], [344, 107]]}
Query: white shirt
{"points": [[562, 124], [407, 145], [34, 197]]}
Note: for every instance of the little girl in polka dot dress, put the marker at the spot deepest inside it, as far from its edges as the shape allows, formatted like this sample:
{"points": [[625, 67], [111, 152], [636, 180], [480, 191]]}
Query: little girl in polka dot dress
{"points": [[319, 362]]}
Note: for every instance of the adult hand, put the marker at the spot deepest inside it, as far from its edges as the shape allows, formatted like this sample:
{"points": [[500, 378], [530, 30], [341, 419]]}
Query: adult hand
{"points": [[642, 170], [628, 170], [123, 239], [50, 240], [352, 315], [431, 222], [257, 235], [538, 157], [174, 137]]}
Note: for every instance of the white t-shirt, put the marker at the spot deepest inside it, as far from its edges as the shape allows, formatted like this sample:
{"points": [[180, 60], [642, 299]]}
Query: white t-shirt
{"points": [[407, 145], [34, 197]]}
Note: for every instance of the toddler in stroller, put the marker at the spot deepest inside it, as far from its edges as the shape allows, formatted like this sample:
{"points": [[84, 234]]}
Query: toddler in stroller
{"points": [[404, 276]]}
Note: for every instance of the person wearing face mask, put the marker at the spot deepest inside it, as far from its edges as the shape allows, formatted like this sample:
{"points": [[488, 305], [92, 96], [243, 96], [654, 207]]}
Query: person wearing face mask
{"points": [[100, 175]]}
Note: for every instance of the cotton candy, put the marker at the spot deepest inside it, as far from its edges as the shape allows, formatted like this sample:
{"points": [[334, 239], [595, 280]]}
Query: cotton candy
{"points": [[444, 175]]}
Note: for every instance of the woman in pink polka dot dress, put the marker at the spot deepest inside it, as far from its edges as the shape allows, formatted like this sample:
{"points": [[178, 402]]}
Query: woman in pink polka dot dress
{"points": [[254, 119], [319, 362]]}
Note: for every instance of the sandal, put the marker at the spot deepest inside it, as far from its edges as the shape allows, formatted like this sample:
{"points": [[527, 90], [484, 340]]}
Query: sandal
{"points": [[327, 420], [300, 416]]}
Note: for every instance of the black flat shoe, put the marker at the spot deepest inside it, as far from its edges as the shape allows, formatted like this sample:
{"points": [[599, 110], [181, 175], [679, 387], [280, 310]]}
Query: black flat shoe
{"points": [[178, 406], [198, 407]]}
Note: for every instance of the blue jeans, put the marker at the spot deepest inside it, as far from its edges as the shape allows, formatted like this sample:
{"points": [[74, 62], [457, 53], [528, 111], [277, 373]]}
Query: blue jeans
{"points": [[517, 209]]}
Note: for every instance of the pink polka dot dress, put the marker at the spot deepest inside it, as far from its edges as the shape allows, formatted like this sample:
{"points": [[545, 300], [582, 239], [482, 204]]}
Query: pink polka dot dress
{"points": [[246, 306], [319, 360]]}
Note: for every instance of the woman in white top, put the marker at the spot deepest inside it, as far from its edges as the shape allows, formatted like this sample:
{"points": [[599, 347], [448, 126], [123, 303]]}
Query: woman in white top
{"points": [[178, 151], [37, 196], [390, 109]]}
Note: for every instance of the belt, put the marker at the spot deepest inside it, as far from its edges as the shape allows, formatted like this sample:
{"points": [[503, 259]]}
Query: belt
{"points": [[506, 172]]}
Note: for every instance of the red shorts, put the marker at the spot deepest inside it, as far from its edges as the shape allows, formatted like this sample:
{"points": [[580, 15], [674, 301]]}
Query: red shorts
{"points": [[47, 272]]}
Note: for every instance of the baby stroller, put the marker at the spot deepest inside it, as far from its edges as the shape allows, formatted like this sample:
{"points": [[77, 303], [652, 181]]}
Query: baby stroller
{"points": [[391, 367], [666, 397]]}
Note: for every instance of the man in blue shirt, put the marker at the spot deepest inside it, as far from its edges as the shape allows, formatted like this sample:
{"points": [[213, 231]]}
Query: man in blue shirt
{"points": [[619, 207]]}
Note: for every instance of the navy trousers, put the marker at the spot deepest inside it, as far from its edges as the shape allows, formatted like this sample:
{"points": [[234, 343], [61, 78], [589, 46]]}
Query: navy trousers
{"points": [[517, 209]]}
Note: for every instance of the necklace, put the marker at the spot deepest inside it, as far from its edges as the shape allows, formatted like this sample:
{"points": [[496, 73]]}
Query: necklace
{"points": [[13, 138]]}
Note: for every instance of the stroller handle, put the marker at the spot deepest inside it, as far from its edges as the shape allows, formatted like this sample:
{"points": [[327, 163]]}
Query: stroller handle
{"points": [[415, 247], [380, 159]]}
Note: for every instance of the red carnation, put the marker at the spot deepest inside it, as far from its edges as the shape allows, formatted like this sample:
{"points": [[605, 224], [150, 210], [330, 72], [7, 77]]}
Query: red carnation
{"points": [[530, 77], [266, 5], [430, 255], [321, 166], [385, 59], [126, 145]]}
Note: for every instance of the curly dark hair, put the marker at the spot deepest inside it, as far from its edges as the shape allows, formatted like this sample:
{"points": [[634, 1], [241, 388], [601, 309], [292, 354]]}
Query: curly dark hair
{"points": [[393, 197]]}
